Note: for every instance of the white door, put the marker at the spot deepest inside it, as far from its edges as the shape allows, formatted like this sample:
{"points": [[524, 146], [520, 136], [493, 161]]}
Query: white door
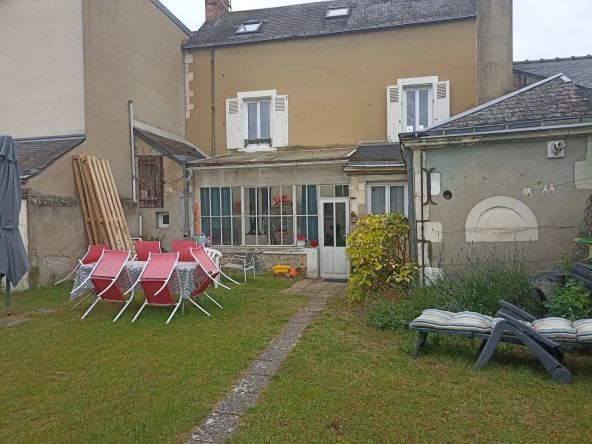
{"points": [[334, 227]]}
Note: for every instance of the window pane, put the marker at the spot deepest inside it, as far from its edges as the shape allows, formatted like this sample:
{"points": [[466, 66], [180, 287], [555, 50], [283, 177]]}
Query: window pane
{"points": [[205, 226], [311, 199], [265, 116], [252, 120], [410, 110], [327, 191], [301, 199], [301, 227], [328, 225], [338, 191], [345, 190], [397, 199], [215, 193], [313, 228], [226, 201], [424, 117], [275, 228], [236, 201], [287, 201], [264, 231], [205, 201], [226, 231], [288, 231], [340, 224], [236, 231], [216, 231], [377, 200], [276, 201]]}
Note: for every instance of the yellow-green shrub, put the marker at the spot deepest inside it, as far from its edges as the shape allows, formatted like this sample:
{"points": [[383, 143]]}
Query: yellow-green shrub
{"points": [[378, 250]]}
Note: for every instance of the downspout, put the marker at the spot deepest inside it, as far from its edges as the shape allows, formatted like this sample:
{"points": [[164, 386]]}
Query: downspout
{"points": [[411, 206], [132, 148], [187, 179], [421, 166], [213, 94]]}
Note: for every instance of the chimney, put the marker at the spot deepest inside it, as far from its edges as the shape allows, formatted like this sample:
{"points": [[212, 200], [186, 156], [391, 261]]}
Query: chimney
{"points": [[216, 7], [494, 49]]}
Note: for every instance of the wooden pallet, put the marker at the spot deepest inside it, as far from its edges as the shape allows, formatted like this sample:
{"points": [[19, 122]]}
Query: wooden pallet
{"points": [[101, 207]]}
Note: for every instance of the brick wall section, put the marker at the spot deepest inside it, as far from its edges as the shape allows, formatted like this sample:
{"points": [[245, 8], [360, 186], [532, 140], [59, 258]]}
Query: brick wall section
{"points": [[216, 7]]}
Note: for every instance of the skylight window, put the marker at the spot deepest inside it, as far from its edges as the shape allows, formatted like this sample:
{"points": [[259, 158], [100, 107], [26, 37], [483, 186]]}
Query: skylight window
{"points": [[342, 11], [247, 28]]}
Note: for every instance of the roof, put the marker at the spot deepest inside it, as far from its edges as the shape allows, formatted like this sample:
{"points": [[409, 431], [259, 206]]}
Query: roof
{"points": [[295, 156], [36, 154], [555, 98], [308, 19], [579, 69], [380, 153], [169, 146]]}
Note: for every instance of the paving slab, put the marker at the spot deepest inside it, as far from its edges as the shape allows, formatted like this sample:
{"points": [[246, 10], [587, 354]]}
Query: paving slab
{"points": [[45, 311], [11, 322]]}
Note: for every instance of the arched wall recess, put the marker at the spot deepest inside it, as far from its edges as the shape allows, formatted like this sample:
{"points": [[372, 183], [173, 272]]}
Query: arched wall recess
{"points": [[501, 219]]}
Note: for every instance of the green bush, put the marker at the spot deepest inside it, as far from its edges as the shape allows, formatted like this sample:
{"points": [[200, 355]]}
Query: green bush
{"points": [[378, 250], [474, 282]]}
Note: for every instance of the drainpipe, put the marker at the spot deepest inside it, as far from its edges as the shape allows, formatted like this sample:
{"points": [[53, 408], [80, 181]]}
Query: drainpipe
{"points": [[411, 199], [187, 179], [132, 148], [421, 167], [213, 93]]}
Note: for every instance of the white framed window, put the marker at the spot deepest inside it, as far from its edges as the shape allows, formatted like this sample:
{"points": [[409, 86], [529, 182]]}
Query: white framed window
{"points": [[415, 104], [250, 27], [257, 116], [342, 11], [162, 220], [387, 197], [257, 121], [417, 108]]}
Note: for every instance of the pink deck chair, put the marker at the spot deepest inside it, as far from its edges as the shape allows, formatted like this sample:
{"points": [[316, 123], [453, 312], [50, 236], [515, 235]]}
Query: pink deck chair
{"points": [[183, 247], [155, 280], [104, 276], [93, 254], [144, 248], [210, 269]]}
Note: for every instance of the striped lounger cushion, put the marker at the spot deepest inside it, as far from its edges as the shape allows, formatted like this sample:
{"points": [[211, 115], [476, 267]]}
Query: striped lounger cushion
{"points": [[556, 329], [445, 320], [583, 330]]}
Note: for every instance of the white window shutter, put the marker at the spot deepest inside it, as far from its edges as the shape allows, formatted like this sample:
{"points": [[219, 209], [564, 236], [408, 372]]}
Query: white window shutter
{"points": [[234, 135], [393, 112], [279, 135], [441, 102]]}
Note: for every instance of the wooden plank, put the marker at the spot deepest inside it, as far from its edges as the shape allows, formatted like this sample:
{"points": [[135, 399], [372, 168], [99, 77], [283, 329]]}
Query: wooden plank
{"points": [[102, 204], [100, 232], [83, 202], [107, 196], [126, 236]]}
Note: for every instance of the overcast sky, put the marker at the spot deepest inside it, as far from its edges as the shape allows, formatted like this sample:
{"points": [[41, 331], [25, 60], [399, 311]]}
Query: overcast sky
{"points": [[542, 28]]}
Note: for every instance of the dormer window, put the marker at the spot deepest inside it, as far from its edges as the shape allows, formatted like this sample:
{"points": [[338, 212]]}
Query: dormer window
{"points": [[247, 28], [341, 11]]}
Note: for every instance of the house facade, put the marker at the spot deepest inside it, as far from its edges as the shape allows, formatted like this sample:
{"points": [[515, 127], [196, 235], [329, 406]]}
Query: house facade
{"points": [[301, 107], [82, 77], [516, 171]]}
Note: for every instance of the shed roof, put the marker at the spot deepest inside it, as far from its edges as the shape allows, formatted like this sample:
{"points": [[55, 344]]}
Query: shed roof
{"points": [[36, 154], [306, 20], [579, 69], [171, 146], [371, 154]]}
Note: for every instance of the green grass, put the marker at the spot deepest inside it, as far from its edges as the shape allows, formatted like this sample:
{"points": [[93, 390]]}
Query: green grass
{"points": [[347, 382], [66, 380]]}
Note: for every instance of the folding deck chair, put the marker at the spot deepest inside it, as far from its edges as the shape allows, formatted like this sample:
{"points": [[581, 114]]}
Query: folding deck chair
{"points": [[103, 277], [93, 254], [155, 278], [144, 248], [544, 337], [183, 247], [208, 266]]}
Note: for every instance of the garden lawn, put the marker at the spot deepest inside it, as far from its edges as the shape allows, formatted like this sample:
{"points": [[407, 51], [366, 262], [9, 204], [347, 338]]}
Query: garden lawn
{"points": [[67, 380], [349, 383]]}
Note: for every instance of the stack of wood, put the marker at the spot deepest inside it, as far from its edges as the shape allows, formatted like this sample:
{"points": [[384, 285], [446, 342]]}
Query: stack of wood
{"points": [[101, 206]]}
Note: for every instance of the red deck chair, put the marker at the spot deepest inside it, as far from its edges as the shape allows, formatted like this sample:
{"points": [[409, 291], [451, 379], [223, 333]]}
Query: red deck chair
{"points": [[183, 247], [93, 254], [155, 282], [144, 248], [103, 277], [210, 269]]}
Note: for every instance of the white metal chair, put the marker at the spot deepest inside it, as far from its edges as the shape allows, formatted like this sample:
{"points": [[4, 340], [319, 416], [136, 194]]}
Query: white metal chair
{"points": [[215, 255], [241, 263]]}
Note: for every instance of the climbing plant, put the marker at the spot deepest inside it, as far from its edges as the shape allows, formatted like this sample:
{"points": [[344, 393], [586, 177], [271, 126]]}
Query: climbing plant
{"points": [[378, 250]]}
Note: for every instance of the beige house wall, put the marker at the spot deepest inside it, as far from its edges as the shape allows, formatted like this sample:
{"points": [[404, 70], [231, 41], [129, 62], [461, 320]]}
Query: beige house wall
{"points": [[42, 70], [336, 85]]}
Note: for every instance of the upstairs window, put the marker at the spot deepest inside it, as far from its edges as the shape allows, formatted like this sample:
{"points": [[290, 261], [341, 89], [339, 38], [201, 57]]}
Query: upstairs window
{"points": [[417, 109], [342, 11], [247, 28], [258, 118]]}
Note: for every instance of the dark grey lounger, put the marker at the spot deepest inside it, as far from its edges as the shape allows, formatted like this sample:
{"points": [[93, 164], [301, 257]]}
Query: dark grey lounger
{"points": [[547, 351]]}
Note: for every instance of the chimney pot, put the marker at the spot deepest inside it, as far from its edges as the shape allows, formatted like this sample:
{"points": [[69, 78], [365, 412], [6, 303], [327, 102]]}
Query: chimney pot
{"points": [[216, 7]]}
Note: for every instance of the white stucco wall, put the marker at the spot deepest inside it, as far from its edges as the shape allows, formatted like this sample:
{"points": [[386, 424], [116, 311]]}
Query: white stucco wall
{"points": [[41, 69]]}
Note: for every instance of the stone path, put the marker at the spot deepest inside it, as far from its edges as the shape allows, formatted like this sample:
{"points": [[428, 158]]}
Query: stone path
{"points": [[223, 421]]}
